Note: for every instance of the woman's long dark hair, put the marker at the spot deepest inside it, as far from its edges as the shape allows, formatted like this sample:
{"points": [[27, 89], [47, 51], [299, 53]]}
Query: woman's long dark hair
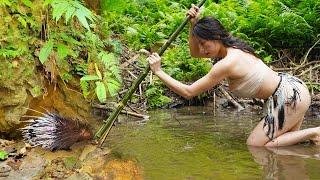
{"points": [[209, 28]]}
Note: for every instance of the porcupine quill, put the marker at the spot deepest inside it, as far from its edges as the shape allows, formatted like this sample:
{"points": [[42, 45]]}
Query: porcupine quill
{"points": [[53, 132]]}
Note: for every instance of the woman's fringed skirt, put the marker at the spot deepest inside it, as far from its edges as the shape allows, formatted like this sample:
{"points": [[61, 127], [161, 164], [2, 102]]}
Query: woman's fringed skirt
{"points": [[290, 100]]}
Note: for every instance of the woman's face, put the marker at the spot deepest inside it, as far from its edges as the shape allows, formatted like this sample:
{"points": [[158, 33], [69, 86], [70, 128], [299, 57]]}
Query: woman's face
{"points": [[211, 48]]}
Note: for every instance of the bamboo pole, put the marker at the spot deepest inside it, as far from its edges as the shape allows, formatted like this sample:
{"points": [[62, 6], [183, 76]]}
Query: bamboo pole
{"points": [[106, 127]]}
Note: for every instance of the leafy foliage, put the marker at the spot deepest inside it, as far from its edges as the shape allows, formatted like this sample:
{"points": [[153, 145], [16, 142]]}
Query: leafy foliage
{"points": [[270, 25], [71, 8], [108, 81], [155, 97], [178, 63], [28, 31]]}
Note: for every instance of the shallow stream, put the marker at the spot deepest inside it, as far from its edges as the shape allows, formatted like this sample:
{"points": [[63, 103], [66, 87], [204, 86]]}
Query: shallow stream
{"points": [[198, 143]]}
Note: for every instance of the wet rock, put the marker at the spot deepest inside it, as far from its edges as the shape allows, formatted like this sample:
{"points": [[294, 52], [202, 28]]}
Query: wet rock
{"points": [[87, 149], [4, 170], [94, 161], [30, 167], [56, 169], [14, 163], [80, 176], [4, 143]]}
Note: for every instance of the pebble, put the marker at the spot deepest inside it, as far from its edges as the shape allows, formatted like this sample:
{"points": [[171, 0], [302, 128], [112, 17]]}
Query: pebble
{"points": [[4, 170]]}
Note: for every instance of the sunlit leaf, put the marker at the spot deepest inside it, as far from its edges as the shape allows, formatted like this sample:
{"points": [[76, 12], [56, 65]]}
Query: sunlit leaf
{"points": [[45, 51], [101, 91], [69, 14], [82, 19], [97, 71]]}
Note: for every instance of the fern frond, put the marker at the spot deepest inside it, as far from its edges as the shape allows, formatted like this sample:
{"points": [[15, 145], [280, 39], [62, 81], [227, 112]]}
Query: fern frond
{"points": [[85, 88], [71, 8]]}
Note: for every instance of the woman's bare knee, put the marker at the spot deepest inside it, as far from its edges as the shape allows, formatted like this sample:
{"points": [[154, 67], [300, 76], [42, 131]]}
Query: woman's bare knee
{"points": [[251, 141], [272, 143]]}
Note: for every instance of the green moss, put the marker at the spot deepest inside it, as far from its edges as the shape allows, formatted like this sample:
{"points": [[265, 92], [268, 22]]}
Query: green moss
{"points": [[70, 162]]}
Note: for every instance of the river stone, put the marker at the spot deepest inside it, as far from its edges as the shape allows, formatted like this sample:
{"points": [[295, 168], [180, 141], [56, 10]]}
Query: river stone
{"points": [[80, 176], [32, 165], [4, 170]]}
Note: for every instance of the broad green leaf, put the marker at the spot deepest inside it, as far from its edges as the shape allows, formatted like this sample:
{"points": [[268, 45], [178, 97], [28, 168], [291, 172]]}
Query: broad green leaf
{"points": [[3, 155], [97, 71], [101, 91], [58, 10], [45, 51], [82, 19], [89, 78], [62, 51], [69, 13]]}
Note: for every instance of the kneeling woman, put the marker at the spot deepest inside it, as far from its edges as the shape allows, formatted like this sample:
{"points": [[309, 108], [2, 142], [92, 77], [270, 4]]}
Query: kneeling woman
{"points": [[287, 97]]}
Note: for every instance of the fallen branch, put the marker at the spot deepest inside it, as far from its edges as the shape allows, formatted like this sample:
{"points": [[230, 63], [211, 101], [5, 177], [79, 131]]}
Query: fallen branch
{"points": [[307, 54], [122, 111], [308, 70], [227, 95]]}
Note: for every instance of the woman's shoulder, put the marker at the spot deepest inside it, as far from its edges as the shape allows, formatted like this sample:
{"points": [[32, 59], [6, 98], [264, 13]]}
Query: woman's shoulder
{"points": [[236, 53], [233, 55]]}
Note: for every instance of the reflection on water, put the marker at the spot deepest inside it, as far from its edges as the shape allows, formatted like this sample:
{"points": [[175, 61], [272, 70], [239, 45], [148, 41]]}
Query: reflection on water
{"points": [[287, 162], [195, 143]]}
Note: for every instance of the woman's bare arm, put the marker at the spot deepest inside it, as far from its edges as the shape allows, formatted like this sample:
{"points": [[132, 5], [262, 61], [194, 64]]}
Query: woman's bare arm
{"points": [[194, 13], [194, 45], [217, 73]]}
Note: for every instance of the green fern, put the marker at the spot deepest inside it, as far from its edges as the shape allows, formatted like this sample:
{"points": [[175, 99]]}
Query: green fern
{"points": [[112, 75], [111, 64], [85, 88], [71, 8]]}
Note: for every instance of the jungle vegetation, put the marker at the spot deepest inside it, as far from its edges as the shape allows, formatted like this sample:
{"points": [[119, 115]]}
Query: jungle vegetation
{"points": [[86, 41]]}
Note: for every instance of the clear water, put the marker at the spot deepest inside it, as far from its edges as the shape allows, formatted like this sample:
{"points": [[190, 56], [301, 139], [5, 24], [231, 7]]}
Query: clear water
{"points": [[196, 143]]}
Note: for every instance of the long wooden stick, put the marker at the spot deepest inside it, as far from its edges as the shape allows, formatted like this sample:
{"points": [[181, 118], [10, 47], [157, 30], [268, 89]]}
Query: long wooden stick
{"points": [[227, 95], [106, 127]]}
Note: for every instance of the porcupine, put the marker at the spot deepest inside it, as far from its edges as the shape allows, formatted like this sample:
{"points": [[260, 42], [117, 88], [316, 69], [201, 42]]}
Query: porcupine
{"points": [[53, 132]]}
